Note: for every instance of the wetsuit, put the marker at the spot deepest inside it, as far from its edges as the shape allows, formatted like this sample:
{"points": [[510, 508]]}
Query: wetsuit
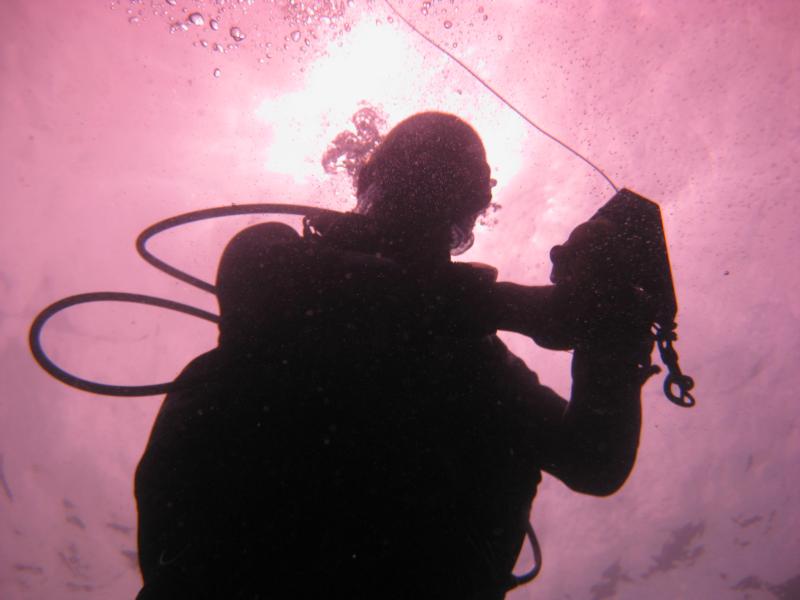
{"points": [[359, 432]]}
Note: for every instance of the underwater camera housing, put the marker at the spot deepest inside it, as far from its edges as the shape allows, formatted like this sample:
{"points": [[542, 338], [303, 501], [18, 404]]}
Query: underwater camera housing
{"points": [[640, 233], [641, 237], [630, 289]]}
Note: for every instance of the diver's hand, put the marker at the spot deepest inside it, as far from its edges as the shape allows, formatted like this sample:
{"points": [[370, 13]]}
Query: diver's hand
{"points": [[588, 258]]}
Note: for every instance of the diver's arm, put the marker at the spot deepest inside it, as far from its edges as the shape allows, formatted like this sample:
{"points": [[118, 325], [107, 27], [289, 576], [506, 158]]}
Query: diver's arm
{"points": [[594, 447], [532, 311], [519, 307], [594, 309], [590, 442]]}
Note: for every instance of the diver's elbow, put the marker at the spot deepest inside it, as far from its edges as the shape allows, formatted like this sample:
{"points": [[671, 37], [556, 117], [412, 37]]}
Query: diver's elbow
{"points": [[603, 489], [598, 483]]}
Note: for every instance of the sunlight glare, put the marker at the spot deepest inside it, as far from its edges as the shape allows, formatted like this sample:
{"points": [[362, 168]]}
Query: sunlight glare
{"points": [[387, 68], [363, 70]]}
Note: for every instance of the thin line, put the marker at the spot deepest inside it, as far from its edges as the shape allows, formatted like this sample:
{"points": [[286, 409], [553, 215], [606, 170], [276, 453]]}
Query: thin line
{"points": [[501, 98]]}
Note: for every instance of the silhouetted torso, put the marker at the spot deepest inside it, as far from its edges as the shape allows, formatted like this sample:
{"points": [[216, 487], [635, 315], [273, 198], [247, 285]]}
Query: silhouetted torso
{"points": [[359, 432]]}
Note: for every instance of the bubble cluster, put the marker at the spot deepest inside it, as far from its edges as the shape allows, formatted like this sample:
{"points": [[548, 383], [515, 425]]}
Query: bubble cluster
{"points": [[440, 8], [178, 27], [307, 25], [311, 12], [349, 151], [488, 219], [248, 23]]}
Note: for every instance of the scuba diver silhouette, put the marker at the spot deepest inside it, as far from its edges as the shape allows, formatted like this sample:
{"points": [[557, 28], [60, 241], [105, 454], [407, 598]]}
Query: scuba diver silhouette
{"points": [[360, 430]]}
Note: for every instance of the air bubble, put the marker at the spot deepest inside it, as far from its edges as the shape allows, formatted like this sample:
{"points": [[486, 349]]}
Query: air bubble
{"points": [[448, 24], [214, 24], [218, 47], [176, 27], [196, 19], [295, 35], [237, 34], [217, 72], [172, 2], [134, 19]]}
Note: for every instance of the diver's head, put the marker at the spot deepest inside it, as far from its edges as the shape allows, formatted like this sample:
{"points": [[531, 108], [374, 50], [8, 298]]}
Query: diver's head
{"points": [[426, 183]]}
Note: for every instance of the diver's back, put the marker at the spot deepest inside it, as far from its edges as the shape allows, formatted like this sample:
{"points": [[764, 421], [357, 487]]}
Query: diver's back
{"points": [[339, 462]]}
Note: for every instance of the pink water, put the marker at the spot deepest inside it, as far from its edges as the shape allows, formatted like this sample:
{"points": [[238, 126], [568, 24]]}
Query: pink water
{"points": [[109, 122]]}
